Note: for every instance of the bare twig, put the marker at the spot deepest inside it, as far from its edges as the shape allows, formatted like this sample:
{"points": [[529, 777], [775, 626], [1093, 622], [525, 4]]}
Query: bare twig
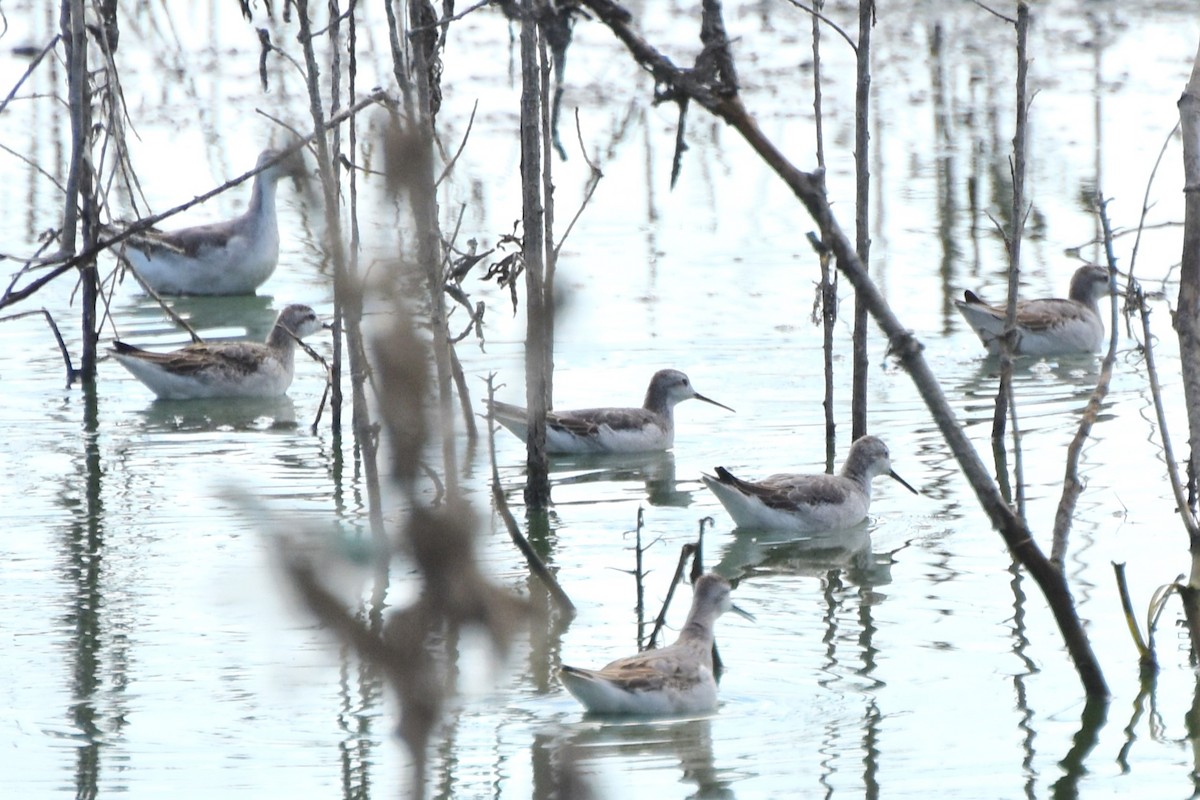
{"points": [[1008, 345], [815, 12], [588, 190], [462, 145], [1145, 654], [639, 577], [1072, 486], [536, 565], [72, 374], [29, 70], [995, 13], [685, 553], [1182, 507], [1141, 227], [862, 215]]}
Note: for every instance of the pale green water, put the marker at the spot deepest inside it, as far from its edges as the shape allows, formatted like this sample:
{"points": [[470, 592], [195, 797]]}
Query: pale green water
{"points": [[149, 648]]}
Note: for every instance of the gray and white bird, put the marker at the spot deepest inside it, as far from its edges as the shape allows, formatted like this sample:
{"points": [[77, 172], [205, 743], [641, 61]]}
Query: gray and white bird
{"points": [[231, 257], [224, 369], [1049, 326], [612, 430], [807, 503], [677, 679]]}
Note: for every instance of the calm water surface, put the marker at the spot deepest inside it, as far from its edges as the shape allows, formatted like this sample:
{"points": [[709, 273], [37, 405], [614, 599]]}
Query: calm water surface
{"points": [[149, 646]]}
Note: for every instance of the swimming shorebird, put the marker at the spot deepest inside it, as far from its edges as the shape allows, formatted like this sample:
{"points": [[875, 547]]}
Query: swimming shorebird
{"points": [[224, 369], [807, 503], [677, 679], [612, 430], [230, 257], [1046, 327]]}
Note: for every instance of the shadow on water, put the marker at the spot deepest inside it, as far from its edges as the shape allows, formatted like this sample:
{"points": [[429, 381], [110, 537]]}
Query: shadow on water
{"points": [[1043, 388], [228, 414], [850, 652], [85, 565], [1095, 714], [655, 470], [814, 555], [597, 740], [360, 691], [235, 317]]}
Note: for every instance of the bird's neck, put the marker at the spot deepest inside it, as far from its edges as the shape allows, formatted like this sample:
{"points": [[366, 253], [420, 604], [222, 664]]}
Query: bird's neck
{"points": [[281, 339], [1083, 292], [262, 199], [658, 403], [857, 473], [698, 629]]}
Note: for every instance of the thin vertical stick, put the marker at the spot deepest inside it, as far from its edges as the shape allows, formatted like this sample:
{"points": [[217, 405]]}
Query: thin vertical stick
{"points": [[537, 487], [1004, 393], [344, 286], [828, 287], [862, 212], [429, 242], [80, 190], [547, 353], [637, 576], [1187, 326]]}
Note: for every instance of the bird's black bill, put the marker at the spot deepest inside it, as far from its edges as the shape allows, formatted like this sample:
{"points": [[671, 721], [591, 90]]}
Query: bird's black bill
{"points": [[699, 396], [742, 613], [903, 482]]}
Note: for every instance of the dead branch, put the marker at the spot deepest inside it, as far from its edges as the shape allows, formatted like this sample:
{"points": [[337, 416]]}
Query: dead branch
{"points": [[536, 565], [72, 373]]}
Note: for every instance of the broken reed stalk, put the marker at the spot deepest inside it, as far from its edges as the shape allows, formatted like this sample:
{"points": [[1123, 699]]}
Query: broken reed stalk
{"points": [[418, 131], [685, 553], [72, 373], [698, 557], [862, 213], [346, 291], [537, 398], [1146, 658], [1008, 343], [1072, 486], [334, 387], [536, 566], [827, 289], [548, 128], [638, 576], [80, 202], [809, 189], [1187, 321]]}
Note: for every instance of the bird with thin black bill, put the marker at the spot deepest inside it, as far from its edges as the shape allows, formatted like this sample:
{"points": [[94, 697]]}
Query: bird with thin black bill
{"points": [[612, 430], [807, 502], [224, 369], [677, 679]]}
